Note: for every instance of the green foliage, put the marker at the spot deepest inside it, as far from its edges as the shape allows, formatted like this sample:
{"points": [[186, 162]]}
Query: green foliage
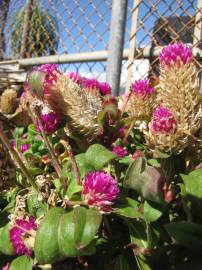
{"points": [[67, 234], [22, 263], [127, 207], [46, 247], [193, 183], [98, 156], [146, 180], [5, 243], [187, 234], [150, 212], [141, 212]]}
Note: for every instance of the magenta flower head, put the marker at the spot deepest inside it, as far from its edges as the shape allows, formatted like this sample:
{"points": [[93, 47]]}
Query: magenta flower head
{"points": [[100, 190], [20, 234], [91, 84], [105, 88], [6, 267], [177, 53], [120, 151], [51, 121], [163, 121], [51, 72], [23, 147], [142, 88], [75, 77], [42, 78]]}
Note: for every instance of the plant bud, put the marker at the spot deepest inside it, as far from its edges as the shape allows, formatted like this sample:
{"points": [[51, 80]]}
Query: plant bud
{"points": [[36, 82]]}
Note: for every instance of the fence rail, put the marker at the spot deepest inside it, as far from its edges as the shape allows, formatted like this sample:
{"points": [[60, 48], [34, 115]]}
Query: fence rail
{"points": [[76, 34]]}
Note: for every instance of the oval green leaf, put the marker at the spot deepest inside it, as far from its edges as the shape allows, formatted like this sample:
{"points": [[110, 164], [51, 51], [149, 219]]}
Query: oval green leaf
{"points": [[46, 247], [21, 263], [6, 246], [98, 156]]}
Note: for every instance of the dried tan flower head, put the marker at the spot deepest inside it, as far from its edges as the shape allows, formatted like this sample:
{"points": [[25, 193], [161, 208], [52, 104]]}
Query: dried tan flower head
{"points": [[8, 102], [141, 100], [80, 108], [179, 95], [179, 91], [21, 117]]}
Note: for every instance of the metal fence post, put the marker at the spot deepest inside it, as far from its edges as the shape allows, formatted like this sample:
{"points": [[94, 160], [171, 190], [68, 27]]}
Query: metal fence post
{"points": [[116, 43]]}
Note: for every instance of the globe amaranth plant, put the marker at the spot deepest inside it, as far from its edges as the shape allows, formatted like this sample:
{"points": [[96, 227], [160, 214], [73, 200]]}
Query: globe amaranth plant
{"points": [[106, 182]]}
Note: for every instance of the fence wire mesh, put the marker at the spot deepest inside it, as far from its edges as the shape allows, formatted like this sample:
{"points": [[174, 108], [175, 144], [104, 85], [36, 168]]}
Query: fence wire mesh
{"points": [[161, 22], [33, 28]]}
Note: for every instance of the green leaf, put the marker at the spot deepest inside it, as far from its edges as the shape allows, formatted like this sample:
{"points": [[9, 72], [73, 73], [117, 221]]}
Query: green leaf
{"points": [[46, 243], [125, 160], [35, 205], [193, 183], [18, 132], [187, 234], [98, 156], [150, 212], [154, 163], [31, 130], [21, 263], [128, 208], [3, 218], [6, 246], [73, 189], [89, 229], [142, 263], [138, 235], [35, 171], [122, 262], [146, 180], [159, 154], [77, 230], [83, 164]]}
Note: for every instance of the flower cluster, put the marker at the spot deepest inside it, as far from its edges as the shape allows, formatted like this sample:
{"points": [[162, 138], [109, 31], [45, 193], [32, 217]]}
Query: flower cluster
{"points": [[90, 84], [120, 151], [142, 88], [51, 74], [163, 121], [51, 121], [176, 53], [21, 230], [23, 147], [100, 189], [99, 172]]}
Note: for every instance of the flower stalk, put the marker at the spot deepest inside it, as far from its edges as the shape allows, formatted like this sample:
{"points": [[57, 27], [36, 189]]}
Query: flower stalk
{"points": [[17, 158], [55, 161], [72, 158]]}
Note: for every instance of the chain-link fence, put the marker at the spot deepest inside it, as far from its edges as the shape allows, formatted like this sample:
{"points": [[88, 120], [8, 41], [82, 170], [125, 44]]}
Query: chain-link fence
{"points": [[71, 28], [159, 23]]}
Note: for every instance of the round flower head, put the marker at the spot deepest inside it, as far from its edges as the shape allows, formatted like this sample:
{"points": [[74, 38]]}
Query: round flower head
{"points": [[22, 230], [6, 267], [105, 88], [51, 121], [120, 151], [23, 147], [100, 190], [91, 84], [75, 77], [177, 53], [142, 88], [51, 74], [163, 121]]}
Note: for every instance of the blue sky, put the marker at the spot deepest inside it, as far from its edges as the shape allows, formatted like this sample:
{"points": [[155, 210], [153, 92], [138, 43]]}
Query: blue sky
{"points": [[81, 28]]}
